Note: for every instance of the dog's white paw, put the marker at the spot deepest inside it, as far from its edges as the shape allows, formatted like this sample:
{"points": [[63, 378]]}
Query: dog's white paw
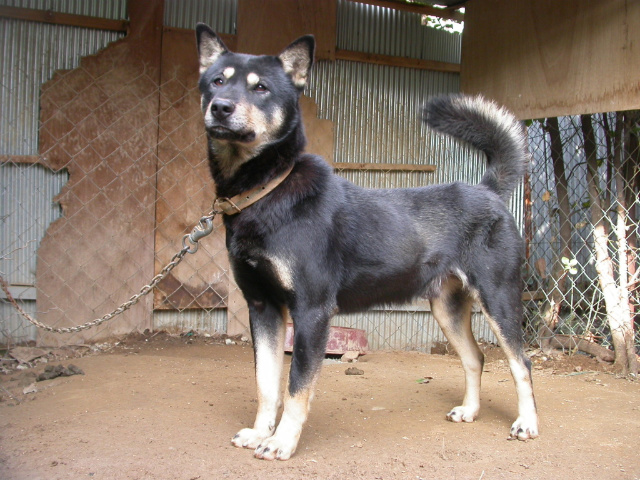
{"points": [[249, 438], [524, 428], [276, 448], [462, 414]]}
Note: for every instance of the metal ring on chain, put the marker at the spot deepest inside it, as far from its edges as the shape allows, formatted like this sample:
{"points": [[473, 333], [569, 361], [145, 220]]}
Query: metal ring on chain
{"points": [[204, 228]]}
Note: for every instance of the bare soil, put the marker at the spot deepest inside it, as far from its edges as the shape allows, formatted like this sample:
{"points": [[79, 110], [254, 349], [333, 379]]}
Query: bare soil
{"points": [[166, 408]]}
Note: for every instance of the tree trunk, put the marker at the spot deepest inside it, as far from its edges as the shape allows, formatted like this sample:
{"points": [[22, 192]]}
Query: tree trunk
{"points": [[616, 300], [558, 285]]}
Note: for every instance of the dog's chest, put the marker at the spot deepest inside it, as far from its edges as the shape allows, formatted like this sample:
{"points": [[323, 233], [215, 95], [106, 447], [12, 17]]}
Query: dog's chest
{"points": [[270, 268]]}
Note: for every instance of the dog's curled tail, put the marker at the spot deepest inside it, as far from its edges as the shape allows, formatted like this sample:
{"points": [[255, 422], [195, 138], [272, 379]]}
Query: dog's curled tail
{"points": [[488, 127]]}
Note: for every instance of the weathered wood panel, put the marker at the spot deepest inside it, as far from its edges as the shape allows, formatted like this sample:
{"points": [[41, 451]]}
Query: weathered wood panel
{"points": [[320, 138], [547, 58], [185, 188], [99, 121], [268, 26]]}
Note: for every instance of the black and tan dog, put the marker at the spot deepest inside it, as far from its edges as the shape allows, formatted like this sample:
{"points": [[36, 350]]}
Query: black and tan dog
{"points": [[317, 244]]}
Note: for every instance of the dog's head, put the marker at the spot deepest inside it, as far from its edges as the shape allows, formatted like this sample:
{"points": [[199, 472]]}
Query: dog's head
{"points": [[250, 101]]}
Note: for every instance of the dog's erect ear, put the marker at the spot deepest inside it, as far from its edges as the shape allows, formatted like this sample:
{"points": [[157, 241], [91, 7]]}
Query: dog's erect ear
{"points": [[297, 59], [210, 47]]}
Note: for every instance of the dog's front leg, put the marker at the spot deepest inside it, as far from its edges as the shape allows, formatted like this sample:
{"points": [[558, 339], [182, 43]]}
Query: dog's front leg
{"points": [[310, 340], [268, 327]]}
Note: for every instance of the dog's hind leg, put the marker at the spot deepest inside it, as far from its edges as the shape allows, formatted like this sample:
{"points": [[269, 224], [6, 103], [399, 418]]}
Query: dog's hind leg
{"points": [[309, 345], [512, 343], [268, 327], [502, 308], [452, 310]]}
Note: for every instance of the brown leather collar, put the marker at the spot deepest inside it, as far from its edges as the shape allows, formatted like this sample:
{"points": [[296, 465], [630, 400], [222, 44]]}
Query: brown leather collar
{"points": [[234, 205]]}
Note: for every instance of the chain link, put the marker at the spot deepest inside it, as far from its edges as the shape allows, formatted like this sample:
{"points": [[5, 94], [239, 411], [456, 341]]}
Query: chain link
{"points": [[189, 245]]}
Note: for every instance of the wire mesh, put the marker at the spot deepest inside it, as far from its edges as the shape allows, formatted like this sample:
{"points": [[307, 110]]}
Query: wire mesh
{"points": [[115, 172], [583, 227]]}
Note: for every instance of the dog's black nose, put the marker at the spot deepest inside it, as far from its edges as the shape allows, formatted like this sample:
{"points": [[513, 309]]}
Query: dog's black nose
{"points": [[221, 109]]}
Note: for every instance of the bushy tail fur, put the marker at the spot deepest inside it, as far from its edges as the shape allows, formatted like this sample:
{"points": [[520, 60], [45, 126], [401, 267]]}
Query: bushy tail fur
{"points": [[488, 127]]}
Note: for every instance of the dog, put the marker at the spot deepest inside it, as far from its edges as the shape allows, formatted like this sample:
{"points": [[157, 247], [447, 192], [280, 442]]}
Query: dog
{"points": [[315, 244]]}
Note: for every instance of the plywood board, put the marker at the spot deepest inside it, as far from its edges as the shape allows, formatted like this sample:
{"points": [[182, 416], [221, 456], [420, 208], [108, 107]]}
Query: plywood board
{"points": [[185, 189], [320, 140], [268, 26], [99, 122], [546, 58]]}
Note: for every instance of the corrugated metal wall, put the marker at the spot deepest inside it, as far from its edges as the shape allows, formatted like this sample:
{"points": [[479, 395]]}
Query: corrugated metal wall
{"points": [[26, 210], [385, 31], [375, 109], [382, 126], [30, 54]]}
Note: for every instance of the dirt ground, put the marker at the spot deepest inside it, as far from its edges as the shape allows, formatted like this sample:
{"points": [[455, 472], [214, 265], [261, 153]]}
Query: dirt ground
{"points": [[166, 408]]}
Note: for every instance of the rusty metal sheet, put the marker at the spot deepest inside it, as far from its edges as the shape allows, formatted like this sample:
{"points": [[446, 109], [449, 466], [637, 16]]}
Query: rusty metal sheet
{"points": [[340, 341]]}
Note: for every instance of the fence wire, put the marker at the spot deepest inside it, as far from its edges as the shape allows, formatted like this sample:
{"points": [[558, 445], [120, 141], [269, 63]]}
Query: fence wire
{"points": [[96, 199], [584, 181]]}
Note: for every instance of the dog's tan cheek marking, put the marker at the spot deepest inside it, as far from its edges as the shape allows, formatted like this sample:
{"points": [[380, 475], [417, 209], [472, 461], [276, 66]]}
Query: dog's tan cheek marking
{"points": [[257, 121], [277, 119], [229, 72]]}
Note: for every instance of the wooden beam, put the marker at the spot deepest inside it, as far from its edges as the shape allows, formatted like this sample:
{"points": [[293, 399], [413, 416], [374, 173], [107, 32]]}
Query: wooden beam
{"points": [[393, 167], [49, 16], [446, 13], [397, 61], [18, 159]]}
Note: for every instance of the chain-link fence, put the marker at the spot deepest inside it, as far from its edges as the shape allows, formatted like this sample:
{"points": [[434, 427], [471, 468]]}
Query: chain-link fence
{"points": [[582, 227], [114, 173], [98, 191], [103, 170], [565, 205]]}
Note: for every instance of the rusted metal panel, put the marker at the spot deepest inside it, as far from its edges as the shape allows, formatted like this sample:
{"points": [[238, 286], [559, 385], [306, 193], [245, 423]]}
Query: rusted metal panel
{"points": [[30, 54], [340, 341]]}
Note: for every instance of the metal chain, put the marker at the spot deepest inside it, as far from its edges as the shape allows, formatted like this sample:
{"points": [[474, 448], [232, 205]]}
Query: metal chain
{"points": [[189, 245]]}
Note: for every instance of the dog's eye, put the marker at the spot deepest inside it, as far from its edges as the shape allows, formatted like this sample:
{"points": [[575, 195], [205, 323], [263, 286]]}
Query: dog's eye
{"points": [[218, 81], [260, 88]]}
